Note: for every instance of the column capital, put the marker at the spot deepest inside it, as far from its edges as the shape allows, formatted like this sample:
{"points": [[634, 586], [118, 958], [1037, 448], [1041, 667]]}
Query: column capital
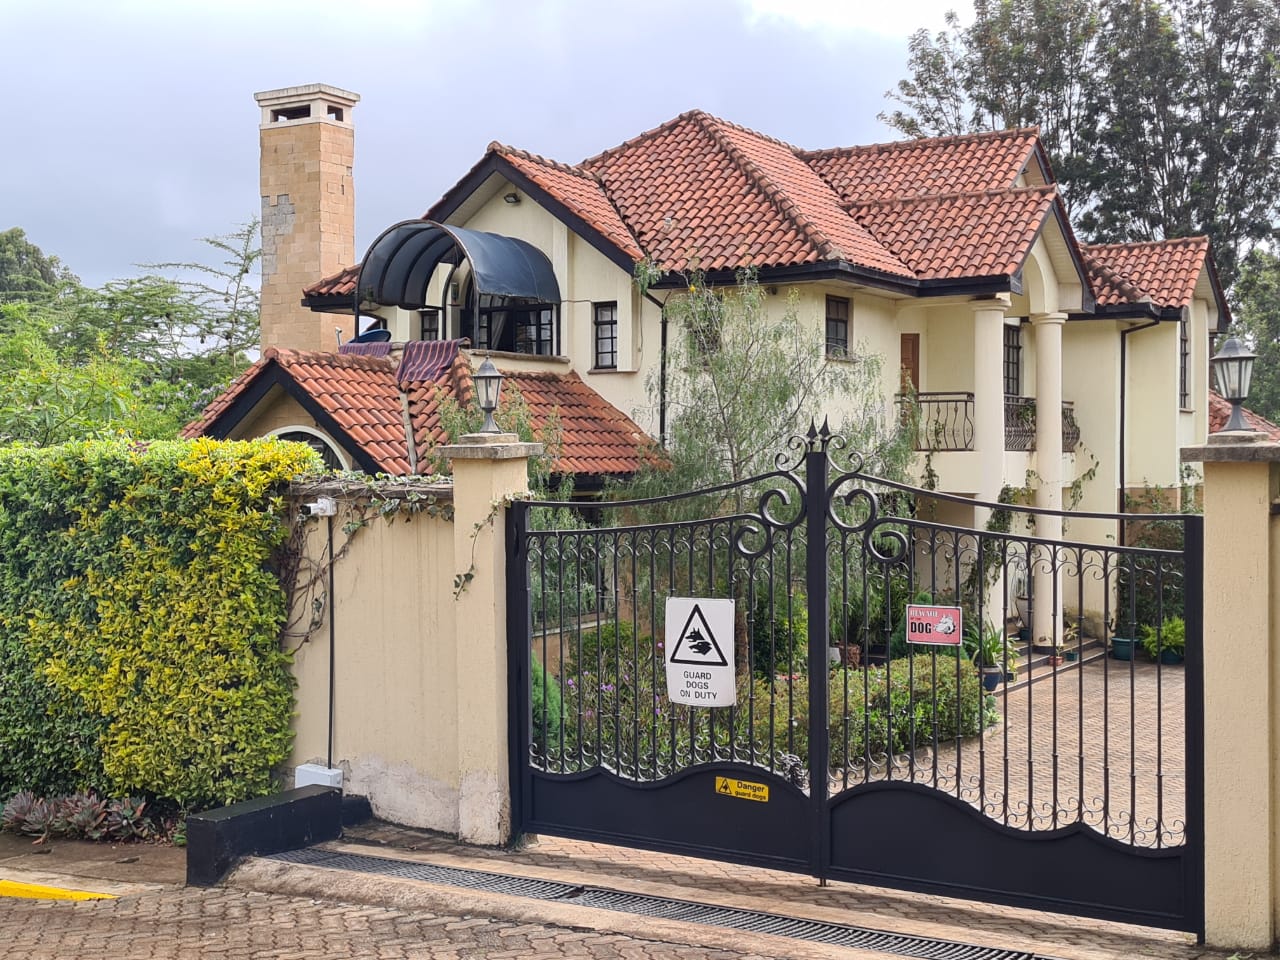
{"points": [[1001, 302], [1043, 319]]}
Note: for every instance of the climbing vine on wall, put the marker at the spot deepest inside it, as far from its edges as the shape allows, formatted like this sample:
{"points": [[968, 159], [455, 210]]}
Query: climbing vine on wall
{"points": [[140, 617]]}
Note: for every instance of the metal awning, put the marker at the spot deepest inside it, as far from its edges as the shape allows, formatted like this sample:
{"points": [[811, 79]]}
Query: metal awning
{"points": [[399, 266]]}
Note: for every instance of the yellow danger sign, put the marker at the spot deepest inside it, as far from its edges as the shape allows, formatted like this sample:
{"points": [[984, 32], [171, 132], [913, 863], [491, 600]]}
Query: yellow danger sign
{"points": [[742, 789]]}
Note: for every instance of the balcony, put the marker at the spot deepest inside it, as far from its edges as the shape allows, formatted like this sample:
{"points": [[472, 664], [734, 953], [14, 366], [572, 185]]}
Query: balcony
{"points": [[945, 422]]}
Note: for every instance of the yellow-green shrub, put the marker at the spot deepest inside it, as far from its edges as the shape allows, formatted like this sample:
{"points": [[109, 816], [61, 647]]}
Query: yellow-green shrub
{"points": [[140, 617]]}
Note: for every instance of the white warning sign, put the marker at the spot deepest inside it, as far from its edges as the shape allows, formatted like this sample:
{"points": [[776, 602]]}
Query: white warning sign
{"points": [[699, 648]]}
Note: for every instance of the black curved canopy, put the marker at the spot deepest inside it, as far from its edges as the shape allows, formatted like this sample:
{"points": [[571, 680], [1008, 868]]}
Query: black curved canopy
{"points": [[399, 265]]}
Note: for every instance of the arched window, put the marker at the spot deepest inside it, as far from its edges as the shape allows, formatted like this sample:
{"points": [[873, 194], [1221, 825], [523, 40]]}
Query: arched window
{"points": [[330, 455]]}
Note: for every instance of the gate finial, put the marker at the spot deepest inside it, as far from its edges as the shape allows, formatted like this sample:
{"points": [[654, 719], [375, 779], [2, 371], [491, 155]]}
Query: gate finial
{"points": [[819, 436]]}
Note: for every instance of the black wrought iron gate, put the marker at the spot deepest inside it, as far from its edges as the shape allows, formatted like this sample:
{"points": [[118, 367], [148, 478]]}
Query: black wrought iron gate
{"points": [[1052, 773]]}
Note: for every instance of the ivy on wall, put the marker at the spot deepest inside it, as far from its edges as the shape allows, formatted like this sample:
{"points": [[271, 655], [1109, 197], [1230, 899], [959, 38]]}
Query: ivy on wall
{"points": [[140, 617]]}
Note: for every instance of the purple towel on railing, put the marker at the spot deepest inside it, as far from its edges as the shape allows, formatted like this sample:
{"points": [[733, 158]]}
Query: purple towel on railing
{"points": [[426, 359], [382, 349]]}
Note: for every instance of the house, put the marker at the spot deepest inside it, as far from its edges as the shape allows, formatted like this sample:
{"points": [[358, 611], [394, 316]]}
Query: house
{"points": [[952, 258]]}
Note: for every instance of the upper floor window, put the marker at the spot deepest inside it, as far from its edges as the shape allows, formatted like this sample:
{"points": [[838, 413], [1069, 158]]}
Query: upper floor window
{"points": [[606, 336], [430, 325], [837, 327], [1184, 367], [1012, 360], [516, 327]]}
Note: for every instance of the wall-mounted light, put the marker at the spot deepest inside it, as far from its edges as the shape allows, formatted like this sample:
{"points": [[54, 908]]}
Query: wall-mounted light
{"points": [[1232, 371], [511, 197], [488, 385]]}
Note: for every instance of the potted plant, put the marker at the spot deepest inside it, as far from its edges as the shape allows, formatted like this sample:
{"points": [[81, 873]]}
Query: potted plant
{"points": [[1168, 643], [992, 654], [1071, 642]]}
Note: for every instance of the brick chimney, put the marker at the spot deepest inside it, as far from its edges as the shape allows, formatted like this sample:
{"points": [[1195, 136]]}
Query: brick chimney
{"points": [[308, 209]]}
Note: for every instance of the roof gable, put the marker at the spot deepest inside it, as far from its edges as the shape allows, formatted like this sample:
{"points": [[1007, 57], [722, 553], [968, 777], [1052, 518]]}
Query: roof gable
{"points": [[358, 401]]}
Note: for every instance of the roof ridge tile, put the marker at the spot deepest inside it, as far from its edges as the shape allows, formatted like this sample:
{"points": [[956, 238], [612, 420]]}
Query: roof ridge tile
{"points": [[775, 193], [627, 144], [577, 171], [890, 146]]}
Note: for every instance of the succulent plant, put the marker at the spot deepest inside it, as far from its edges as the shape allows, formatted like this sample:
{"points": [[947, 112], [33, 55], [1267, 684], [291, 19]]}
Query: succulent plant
{"points": [[39, 819], [84, 815], [16, 810], [127, 820]]}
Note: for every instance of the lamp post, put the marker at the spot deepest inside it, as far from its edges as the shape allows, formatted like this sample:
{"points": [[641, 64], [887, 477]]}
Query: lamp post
{"points": [[488, 385], [1232, 371]]}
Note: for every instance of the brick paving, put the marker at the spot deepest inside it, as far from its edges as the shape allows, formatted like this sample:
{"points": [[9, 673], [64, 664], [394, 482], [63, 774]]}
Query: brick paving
{"points": [[1102, 743], [233, 924], [687, 878]]}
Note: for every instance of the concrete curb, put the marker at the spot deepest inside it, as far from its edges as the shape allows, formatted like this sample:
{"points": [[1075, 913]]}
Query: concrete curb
{"points": [[319, 883]]}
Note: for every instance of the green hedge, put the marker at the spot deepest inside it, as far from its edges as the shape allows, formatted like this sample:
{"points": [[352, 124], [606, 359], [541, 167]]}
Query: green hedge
{"points": [[892, 709], [140, 618]]}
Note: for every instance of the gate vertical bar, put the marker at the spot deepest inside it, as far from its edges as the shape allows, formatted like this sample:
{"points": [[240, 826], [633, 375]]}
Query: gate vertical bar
{"points": [[1193, 760], [816, 463], [519, 650]]}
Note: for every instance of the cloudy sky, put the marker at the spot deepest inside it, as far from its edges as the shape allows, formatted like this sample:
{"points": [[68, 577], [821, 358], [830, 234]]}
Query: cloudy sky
{"points": [[132, 130]]}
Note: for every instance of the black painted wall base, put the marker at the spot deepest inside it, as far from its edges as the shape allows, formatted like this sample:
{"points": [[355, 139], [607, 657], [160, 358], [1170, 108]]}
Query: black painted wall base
{"points": [[285, 821]]}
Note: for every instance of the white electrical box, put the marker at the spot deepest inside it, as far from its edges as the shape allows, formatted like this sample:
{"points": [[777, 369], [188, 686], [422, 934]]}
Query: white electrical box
{"points": [[304, 775]]}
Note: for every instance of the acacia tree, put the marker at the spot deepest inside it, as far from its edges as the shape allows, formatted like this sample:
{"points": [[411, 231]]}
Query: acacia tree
{"points": [[1161, 116]]}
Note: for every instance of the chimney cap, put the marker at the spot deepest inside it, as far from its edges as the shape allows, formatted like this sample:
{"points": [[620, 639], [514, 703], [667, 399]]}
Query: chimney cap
{"points": [[306, 92]]}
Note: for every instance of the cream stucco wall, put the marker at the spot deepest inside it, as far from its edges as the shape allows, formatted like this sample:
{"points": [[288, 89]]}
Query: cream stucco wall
{"points": [[1152, 422], [395, 690]]}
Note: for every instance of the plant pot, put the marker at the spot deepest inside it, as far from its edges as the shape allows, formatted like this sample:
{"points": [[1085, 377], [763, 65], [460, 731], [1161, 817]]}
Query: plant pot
{"points": [[1072, 656], [1170, 656], [1055, 660], [991, 677], [1122, 648], [1024, 635]]}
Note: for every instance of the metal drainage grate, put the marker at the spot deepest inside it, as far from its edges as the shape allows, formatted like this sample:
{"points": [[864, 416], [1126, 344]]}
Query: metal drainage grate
{"points": [[753, 921]]}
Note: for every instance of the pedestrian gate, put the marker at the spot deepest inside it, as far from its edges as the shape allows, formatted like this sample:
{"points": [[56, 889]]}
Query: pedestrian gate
{"points": [[1066, 778]]}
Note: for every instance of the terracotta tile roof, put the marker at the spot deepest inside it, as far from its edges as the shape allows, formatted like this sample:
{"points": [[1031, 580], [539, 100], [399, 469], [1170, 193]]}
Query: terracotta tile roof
{"points": [[578, 190], [1163, 271], [697, 189], [362, 397], [960, 234], [700, 191], [1220, 413], [341, 284], [963, 164]]}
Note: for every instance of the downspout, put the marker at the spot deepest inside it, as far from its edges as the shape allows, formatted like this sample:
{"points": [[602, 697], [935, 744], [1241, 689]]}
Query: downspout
{"points": [[1124, 383], [662, 369]]}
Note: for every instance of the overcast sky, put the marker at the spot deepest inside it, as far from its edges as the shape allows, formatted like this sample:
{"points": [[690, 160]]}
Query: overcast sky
{"points": [[132, 129]]}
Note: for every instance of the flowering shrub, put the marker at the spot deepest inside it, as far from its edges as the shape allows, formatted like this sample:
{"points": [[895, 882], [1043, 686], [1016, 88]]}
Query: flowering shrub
{"points": [[140, 618]]}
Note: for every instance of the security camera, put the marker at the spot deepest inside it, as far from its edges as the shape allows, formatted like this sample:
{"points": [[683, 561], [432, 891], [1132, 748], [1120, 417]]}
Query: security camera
{"points": [[323, 507]]}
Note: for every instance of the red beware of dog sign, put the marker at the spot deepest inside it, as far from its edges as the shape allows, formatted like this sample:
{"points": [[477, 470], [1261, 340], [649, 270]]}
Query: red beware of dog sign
{"points": [[940, 626]]}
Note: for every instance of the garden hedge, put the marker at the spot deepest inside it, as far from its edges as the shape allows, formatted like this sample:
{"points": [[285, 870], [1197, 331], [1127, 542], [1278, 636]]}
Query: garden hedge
{"points": [[140, 618]]}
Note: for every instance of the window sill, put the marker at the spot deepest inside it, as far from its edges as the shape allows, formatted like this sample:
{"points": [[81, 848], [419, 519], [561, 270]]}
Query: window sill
{"points": [[513, 355]]}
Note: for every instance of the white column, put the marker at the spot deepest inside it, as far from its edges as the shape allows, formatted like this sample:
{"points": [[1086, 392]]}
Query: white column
{"points": [[1046, 622]]}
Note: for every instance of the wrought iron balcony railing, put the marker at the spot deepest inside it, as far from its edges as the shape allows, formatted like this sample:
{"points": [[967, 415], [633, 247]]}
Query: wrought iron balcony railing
{"points": [[944, 421]]}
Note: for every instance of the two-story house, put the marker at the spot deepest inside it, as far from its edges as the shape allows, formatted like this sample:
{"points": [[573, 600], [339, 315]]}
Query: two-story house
{"points": [[1030, 354]]}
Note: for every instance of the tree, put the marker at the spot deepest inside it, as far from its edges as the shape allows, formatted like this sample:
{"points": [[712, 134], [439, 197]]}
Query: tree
{"points": [[25, 270], [1258, 318], [1162, 117], [740, 383], [176, 339], [45, 400]]}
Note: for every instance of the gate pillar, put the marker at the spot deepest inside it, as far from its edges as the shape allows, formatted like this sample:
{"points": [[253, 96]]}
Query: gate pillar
{"points": [[488, 469], [1241, 665]]}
